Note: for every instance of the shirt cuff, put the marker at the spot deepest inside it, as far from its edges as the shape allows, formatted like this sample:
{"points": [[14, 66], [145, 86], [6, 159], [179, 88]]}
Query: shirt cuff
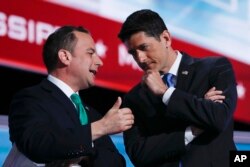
{"points": [[166, 96], [188, 135]]}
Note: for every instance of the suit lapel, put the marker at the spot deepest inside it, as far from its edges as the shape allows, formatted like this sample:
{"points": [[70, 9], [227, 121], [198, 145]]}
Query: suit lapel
{"points": [[61, 98], [185, 72]]}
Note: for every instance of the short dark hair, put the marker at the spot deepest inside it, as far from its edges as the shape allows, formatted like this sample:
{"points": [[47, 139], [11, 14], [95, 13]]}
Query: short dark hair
{"points": [[62, 38], [144, 20]]}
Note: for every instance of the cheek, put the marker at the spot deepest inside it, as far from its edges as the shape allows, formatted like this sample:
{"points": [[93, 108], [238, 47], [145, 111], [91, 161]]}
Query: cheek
{"points": [[80, 68], [85, 63], [161, 53], [85, 69]]}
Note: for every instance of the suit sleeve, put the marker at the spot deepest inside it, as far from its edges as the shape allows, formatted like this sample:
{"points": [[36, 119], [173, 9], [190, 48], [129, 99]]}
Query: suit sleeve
{"points": [[204, 113], [47, 133], [106, 151], [40, 137], [151, 150]]}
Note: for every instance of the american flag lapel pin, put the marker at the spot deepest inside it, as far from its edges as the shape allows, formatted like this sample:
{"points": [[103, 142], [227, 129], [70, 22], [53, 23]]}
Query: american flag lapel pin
{"points": [[184, 72]]}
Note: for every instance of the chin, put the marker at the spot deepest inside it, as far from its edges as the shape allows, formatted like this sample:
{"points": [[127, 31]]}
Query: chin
{"points": [[92, 83]]}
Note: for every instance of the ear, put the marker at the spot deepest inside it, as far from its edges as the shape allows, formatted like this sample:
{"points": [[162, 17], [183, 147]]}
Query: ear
{"points": [[167, 38], [64, 56]]}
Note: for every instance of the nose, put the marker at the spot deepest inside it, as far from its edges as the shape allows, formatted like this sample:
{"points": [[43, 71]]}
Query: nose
{"points": [[98, 61], [141, 57]]}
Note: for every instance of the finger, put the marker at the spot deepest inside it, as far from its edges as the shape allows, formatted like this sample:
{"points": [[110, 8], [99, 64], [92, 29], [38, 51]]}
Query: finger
{"points": [[216, 92], [218, 101], [221, 97], [217, 97], [149, 71], [213, 98], [117, 103], [129, 122], [126, 111], [128, 118], [212, 89], [127, 114], [144, 78], [213, 93], [128, 127]]}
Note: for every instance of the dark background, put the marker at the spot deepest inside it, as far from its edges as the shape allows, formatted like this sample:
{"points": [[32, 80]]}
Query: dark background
{"points": [[12, 80]]}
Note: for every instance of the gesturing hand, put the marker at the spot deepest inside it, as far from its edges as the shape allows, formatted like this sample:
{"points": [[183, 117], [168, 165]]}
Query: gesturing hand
{"points": [[118, 119]]}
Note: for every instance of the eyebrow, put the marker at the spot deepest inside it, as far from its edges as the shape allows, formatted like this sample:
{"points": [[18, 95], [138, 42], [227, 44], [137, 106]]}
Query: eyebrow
{"points": [[138, 47], [131, 51]]}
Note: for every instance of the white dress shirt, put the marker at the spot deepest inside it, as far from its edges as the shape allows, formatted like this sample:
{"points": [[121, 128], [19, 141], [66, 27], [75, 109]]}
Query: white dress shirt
{"points": [[61, 85]]}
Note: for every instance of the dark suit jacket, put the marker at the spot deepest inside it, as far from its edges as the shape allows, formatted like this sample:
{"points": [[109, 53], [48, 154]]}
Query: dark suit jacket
{"points": [[157, 139], [45, 127]]}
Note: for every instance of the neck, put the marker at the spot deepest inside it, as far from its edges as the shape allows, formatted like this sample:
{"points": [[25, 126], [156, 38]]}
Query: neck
{"points": [[172, 55]]}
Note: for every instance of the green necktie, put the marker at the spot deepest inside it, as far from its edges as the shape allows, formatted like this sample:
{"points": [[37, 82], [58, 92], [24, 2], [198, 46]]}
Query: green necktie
{"points": [[81, 110]]}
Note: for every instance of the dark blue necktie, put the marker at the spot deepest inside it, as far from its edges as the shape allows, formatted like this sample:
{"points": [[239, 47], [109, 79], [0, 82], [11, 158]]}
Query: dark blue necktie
{"points": [[169, 79]]}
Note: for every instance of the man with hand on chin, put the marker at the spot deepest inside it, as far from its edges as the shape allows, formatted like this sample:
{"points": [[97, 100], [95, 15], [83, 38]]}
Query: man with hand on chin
{"points": [[184, 107]]}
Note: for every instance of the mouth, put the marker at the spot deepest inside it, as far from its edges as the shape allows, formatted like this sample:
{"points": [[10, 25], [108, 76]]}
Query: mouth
{"points": [[144, 68], [94, 72]]}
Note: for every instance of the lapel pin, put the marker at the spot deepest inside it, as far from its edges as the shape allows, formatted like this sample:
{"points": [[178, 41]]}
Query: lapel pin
{"points": [[184, 72]]}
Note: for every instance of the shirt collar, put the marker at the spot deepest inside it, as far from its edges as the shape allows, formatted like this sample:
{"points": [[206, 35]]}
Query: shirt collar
{"points": [[174, 68], [61, 85]]}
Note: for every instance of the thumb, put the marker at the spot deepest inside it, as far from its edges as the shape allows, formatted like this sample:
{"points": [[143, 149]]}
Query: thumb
{"points": [[117, 103]]}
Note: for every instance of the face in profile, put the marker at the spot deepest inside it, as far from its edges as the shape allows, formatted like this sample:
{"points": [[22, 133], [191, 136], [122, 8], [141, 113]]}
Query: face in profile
{"points": [[85, 62]]}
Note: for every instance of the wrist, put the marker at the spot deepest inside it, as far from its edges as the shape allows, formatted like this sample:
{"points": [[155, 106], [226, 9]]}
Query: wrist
{"points": [[98, 129], [162, 91]]}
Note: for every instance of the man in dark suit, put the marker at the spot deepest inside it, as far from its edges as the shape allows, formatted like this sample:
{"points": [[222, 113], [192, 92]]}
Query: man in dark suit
{"points": [[44, 119], [174, 124]]}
